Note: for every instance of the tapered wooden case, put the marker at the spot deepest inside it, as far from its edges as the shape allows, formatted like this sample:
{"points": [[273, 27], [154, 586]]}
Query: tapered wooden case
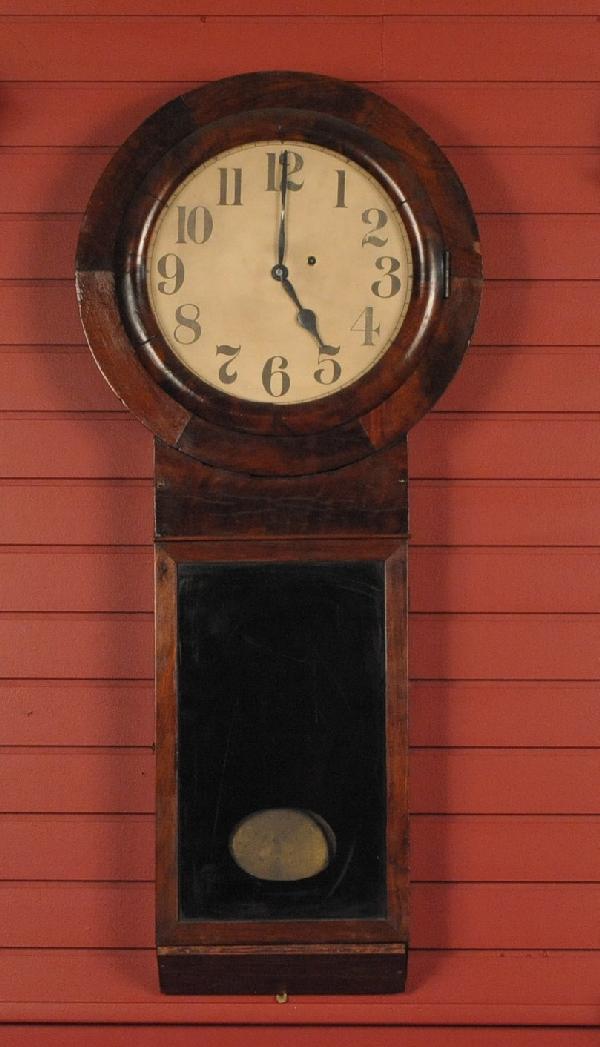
{"points": [[281, 533]]}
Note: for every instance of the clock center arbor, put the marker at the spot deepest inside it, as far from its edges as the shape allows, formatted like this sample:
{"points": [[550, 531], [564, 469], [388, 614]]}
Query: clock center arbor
{"points": [[279, 274]]}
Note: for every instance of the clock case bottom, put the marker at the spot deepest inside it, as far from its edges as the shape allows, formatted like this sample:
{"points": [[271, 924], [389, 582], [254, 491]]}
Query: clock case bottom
{"points": [[318, 969], [205, 515]]}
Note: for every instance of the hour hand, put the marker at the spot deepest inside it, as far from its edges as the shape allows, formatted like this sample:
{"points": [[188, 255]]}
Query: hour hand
{"points": [[305, 317]]}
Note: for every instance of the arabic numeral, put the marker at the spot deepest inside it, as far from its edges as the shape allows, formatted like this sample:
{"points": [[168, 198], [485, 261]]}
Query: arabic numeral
{"points": [[226, 373], [373, 216], [367, 327], [275, 380], [390, 284], [187, 224], [295, 164], [328, 372], [176, 273], [188, 329]]}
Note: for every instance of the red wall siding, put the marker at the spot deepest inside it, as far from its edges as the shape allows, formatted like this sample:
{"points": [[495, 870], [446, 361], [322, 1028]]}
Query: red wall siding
{"points": [[505, 563]]}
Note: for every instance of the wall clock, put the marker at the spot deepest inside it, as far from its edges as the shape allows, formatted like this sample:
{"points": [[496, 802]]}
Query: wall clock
{"points": [[278, 274]]}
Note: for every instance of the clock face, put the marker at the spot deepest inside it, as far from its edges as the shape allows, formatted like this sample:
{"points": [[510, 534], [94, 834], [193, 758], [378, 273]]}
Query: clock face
{"points": [[279, 272]]}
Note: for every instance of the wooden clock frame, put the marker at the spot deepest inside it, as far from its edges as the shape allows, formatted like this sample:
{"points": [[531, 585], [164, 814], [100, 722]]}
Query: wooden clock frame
{"points": [[311, 483]]}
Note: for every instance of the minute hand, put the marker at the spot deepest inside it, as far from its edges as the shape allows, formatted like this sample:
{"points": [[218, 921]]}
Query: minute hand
{"points": [[282, 213], [307, 319]]}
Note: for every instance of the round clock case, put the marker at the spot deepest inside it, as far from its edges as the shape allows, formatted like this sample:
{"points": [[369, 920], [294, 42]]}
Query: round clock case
{"points": [[143, 230]]}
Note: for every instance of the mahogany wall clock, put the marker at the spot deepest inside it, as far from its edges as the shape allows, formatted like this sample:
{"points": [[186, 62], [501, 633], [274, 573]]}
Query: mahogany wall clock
{"points": [[278, 274]]}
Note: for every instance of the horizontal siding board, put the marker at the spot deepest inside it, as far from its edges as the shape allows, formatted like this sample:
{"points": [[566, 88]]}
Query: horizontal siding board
{"points": [[467, 114], [443, 646], [455, 987], [55, 378], [515, 247], [50, 378], [458, 916], [504, 513], [231, 9], [545, 312], [526, 446], [443, 580], [518, 848], [506, 647], [269, 1036], [71, 712], [504, 781], [517, 48], [507, 379], [99, 647], [505, 713], [467, 713], [51, 179], [540, 247], [288, 8], [87, 512], [528, 180], [166, 48], [549, 312], [506, 916], [443, 781], [37, 313], [497, 446], [489, 580], [443, 512], [77, 847], [38, 247], [77, 580], [444, 848], [118, 447], [410, 48], [498, 180], [108, 781]]}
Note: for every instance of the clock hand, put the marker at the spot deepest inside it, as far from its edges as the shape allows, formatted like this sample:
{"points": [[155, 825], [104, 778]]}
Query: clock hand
{"points": [[305, 317], [282, 214]]}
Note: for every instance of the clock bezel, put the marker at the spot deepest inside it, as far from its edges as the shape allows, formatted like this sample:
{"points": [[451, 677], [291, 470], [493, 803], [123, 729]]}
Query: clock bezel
{"points": [[279, 440], [222, 407]]}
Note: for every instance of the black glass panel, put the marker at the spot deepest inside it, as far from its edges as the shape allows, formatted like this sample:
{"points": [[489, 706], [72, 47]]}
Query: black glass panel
{"points": [[281, 680]]}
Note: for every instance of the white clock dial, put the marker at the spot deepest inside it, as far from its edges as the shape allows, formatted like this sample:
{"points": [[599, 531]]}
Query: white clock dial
{"points": [[274, 296]]}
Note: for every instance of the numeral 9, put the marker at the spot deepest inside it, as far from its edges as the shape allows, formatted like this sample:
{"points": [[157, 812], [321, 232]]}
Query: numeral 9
{"points": [[176, 274]]}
